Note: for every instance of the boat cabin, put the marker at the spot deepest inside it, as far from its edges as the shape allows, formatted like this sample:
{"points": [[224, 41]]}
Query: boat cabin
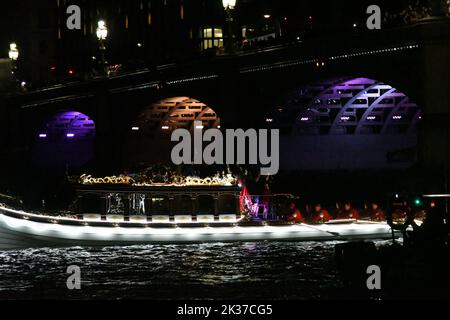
{"points": [[159, 203]]}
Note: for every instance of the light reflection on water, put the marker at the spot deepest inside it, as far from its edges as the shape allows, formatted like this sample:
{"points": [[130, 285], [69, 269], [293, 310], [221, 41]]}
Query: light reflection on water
{"points": [[278, 270]]}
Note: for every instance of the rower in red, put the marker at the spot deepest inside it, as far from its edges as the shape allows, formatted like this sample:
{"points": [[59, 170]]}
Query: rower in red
{"points": [[320, 215], [348, 212], [295, 214], [376, 213]]}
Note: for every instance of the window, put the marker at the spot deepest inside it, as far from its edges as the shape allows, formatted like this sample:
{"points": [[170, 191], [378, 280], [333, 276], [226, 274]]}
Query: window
{"points": [[207, 33], [211, 38], [218, 33]]}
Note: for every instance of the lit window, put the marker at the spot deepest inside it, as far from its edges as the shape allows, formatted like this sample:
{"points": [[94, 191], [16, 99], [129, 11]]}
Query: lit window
{"points": [[211, 38], [207, 33]]}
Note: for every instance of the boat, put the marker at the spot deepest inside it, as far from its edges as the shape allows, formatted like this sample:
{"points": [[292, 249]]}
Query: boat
{"points": [[19, 229], [123, 211]]}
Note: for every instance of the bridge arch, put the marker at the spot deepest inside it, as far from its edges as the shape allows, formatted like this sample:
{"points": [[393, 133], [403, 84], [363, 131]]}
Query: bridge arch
{"points": [[149, 141], [352, 123], [66, 139]]}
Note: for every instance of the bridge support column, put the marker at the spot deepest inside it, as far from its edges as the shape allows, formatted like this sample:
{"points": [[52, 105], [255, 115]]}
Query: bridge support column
{"points": [[103, 145], [434, 136], [229, 91]]}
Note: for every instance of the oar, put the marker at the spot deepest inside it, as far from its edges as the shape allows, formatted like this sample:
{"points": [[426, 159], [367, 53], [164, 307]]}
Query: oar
{"points": [[336, 234]]}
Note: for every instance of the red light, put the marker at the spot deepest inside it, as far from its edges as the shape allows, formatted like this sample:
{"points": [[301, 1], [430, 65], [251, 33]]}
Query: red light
{"points": [[53, 68], [71, 72]]}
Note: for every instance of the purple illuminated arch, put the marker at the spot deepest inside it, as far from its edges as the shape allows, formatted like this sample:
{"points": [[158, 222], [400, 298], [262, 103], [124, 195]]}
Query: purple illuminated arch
{"points": [[345, 124], [66, 139], [346, 106], [68, 124]]}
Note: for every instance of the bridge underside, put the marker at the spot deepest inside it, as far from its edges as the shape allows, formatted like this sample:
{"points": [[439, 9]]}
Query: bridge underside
{"points": [[243, 89]]}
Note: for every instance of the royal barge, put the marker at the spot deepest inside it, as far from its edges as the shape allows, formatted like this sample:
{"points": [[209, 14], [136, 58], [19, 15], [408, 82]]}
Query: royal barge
{"points": [[125, 211]]}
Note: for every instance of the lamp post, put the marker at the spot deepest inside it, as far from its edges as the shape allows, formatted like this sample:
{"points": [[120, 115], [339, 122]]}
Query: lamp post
{"points": [[13, 55], [229, 6], [102, 34], [266, 20]]}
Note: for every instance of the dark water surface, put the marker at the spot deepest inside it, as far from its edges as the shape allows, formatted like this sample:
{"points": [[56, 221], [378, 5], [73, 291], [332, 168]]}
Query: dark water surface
{"points": [[260, 270]]}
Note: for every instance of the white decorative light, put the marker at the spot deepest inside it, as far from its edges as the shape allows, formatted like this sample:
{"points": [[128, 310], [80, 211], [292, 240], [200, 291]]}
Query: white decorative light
{"points": [[135, 128]]}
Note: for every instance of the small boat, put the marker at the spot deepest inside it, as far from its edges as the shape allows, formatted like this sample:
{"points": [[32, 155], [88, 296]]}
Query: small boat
{"points": [[117, 211]]}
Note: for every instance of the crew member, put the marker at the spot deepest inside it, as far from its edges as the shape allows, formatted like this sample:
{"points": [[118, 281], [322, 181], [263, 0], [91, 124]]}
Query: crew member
{"points": [[348, 212], [320, 215], [295, 214], [337, 210], [376, 213]]}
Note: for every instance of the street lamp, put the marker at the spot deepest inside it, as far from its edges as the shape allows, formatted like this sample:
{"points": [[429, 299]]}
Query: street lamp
{"points": [[13, 56], [266, 20], [229, 6], [13, 52], [102, 34]]}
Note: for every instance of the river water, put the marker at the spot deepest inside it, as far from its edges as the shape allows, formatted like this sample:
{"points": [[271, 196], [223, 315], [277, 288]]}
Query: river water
{"points": [[260, 270]]}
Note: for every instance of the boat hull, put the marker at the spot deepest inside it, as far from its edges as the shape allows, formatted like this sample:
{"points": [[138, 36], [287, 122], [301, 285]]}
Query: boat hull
{"points": [[17, 232]]}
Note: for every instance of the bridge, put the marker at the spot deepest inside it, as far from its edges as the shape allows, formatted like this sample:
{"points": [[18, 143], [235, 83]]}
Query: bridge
{"points": [[244, 87]]}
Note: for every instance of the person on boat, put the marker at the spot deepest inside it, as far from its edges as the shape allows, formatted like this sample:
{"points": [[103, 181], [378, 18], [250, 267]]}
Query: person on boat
{"points": [[294, 214], [337, 210], [320, 215], [376, 213], [264, 200], [401, 212], [348, 212]]}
